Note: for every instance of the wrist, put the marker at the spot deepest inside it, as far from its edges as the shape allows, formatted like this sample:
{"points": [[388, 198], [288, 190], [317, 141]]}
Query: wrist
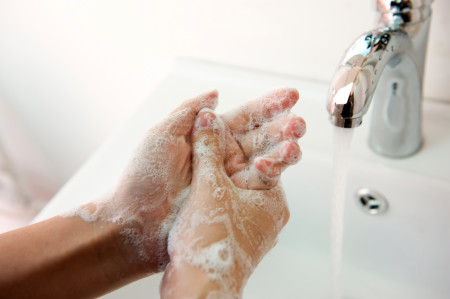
{"points": [[134, 230], [129, 255], [112, 256], [136, 246], [201, 275], [186, 281]]}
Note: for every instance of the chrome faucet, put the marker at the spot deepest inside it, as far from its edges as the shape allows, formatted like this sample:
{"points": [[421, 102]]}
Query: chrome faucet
{"points": [[386, 64]]}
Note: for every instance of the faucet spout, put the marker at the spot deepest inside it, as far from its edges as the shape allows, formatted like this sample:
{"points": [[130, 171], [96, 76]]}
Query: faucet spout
{"points": [[354, 83], [385, 67]]}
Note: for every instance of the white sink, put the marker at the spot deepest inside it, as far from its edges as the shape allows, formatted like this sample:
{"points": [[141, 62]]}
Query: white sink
{"points": [[403, 253]]}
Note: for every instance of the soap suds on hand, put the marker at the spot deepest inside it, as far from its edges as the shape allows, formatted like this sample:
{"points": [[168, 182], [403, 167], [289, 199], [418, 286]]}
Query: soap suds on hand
{"points": [[152, 185]]}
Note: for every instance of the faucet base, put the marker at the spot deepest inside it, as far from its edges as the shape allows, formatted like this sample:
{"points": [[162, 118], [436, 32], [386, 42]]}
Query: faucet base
{"points": [[395, 129]]}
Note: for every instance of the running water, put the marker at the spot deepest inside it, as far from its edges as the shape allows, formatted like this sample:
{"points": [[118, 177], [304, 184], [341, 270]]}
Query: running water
{"points": [[342, 140]]}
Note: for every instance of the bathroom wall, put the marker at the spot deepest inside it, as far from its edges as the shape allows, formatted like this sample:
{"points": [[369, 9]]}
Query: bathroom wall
{"points": [[73, 70]]}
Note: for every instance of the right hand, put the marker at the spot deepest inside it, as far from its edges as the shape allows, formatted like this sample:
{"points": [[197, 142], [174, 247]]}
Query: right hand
{"points": [[223, 231]]}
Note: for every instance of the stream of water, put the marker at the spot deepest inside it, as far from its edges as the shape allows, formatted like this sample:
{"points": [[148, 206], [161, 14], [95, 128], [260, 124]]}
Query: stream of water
{"points": [[342, 139]]}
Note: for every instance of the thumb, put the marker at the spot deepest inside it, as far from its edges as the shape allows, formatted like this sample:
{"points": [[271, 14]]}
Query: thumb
{"points": [[208, 141], [181, 120]]}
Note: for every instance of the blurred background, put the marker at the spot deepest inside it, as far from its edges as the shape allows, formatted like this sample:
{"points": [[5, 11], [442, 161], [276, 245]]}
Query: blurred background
{"points": [[72, 71]]}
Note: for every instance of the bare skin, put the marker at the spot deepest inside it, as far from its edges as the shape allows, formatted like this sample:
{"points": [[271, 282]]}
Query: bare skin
{"points": [[60, 250], [167, 150], [217, 241], [66, 258]]}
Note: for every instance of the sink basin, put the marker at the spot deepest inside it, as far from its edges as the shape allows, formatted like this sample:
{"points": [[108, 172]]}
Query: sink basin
{"points": [[402, 253]]}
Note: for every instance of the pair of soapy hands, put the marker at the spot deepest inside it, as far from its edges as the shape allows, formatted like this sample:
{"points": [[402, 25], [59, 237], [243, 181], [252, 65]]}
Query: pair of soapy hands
{"points": [[232, 164]]}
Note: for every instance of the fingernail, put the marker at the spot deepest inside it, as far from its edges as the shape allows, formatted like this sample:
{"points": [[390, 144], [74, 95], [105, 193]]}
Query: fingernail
{"points": [[290, 155], [295, 128], [299, 128], [291, 98], [205, 120], [210, 99], [263, 164], [268, 163]]}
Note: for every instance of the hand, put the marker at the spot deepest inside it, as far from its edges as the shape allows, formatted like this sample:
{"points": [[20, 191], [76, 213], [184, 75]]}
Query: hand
{"points": [[150, 191], [261, 139], [155, 183], [223, 231]]}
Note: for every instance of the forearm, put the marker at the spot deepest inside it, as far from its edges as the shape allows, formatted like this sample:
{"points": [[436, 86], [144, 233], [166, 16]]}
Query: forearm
{"points": [[66, 257]]}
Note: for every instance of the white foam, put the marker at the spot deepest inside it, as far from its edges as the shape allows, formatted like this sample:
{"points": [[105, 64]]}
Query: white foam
{"points": [[219, 193]]}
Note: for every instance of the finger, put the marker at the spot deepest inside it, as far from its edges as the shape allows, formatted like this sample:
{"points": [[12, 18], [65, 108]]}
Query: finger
{"points": [[254, 179], [258, 111], [208, 142], [266, 179], [204, 100], [235, 159], [181, 120], [285, 154], [266, 170], [286, 127], [267, 167]]}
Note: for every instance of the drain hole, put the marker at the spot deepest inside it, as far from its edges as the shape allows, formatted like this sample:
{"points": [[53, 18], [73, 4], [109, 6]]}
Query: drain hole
{"points": [[363, 201], [374, 206], [371, 201]]}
